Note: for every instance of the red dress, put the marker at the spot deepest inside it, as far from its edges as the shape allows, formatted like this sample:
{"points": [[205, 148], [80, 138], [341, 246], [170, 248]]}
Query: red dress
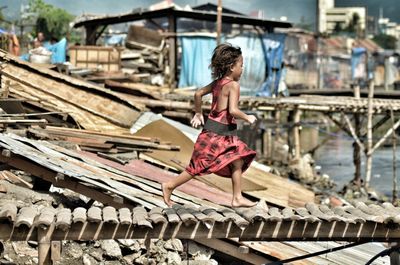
{"points": [[215, 150]]}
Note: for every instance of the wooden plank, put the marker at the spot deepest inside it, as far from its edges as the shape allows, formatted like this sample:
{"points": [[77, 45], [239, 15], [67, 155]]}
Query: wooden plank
{"points": [[15, 179], [89, 99], [137, 89], [63, 183], [232, 250]]}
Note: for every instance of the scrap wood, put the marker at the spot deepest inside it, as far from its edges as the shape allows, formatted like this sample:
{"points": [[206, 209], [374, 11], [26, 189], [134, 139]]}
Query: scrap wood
{"points": [[23, 122], [11, 177], [165, 103], [31, 114], [92, 140], [3, 189], [54, 129], [136, 89], [142, 144], [86, 97], [112, 158]]}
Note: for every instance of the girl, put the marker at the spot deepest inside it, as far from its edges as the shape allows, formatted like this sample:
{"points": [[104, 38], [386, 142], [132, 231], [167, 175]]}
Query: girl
{"points": [[218, 149]]}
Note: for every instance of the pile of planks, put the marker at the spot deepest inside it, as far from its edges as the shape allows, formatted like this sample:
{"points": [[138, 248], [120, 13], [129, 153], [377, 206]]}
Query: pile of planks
{"points": [[102, 142], [13, 114], [145, 54], [176, 104]]}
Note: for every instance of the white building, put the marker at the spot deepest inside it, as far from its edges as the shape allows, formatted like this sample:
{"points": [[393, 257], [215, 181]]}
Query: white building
{"points": [[389, 28], [331, 16]]}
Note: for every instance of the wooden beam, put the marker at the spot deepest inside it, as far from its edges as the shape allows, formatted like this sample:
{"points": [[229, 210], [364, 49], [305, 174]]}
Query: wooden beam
{"points": [[91, 34], [353, 133], [387, 134], [369, 151], [44, 244], [296, 134], [233, 251], [63, 182], [172, 51]]}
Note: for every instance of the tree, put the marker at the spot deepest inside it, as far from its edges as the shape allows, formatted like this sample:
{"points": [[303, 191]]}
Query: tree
{"points": [[338, 28], [353, 26], [52, 21], [385, 41]]}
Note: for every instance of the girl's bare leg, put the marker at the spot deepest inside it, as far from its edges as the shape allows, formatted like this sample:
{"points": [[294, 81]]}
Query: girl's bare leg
{"points": [[168, 187], [238, 200]]}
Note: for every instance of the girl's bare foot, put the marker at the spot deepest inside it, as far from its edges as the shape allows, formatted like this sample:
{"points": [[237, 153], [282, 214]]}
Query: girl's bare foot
{"points": [[242, 202], [166, 194]]}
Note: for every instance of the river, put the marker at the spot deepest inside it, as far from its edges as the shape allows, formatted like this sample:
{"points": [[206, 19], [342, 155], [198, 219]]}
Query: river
{"points": [[336, 160]]}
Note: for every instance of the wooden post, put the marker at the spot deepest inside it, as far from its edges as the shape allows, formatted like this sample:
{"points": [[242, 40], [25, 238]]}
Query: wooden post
{"points": [[369, 134], [386, 73], [277, 117], [357, 149], [219, 21], [55, 251], [289, 134], [394, 255], [267, 143], [394, 143], [44, 245], [296, 134], [172, 51], [91, 35]]}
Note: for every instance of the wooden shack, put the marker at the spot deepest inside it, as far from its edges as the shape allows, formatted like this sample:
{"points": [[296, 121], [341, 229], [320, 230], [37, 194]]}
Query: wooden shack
{"points": [[95, 27]]}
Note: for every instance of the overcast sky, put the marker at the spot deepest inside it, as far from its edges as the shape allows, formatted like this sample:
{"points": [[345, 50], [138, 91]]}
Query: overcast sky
{"points": [[294, 10]]}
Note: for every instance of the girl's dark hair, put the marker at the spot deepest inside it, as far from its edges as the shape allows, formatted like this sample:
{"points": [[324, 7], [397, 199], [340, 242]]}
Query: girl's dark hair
{"points": [[224, 56]]}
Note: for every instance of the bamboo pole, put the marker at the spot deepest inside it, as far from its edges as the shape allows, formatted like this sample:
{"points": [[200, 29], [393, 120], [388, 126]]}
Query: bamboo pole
{"points": [[357, 152], [219, 21], [357, 149], [277, 117], [387, 134], [394, 142], [289, 135], [353, 133], [369, 150], [296, 134]]}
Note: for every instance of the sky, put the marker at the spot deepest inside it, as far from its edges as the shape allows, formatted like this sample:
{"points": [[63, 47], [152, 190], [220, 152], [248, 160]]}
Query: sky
{"points": [[294, 10]]}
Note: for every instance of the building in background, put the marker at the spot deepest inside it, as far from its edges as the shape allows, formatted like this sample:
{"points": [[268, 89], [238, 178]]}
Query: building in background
{"points": [[332, 18]]}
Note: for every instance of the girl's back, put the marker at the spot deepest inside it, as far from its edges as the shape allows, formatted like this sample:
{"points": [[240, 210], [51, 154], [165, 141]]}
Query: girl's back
{"points": [[220, 103]]}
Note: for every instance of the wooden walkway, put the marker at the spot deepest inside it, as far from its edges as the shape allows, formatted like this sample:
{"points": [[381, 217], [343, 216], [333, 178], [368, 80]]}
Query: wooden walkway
{"points": [[348, 105], [310, 223]]}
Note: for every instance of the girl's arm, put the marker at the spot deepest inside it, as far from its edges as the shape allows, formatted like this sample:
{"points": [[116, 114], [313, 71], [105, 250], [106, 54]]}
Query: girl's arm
{"points": [[198, 116], [234, 93]]}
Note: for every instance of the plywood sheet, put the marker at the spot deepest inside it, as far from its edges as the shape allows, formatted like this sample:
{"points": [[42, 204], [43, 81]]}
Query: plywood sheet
{"points": [[279, 190]]}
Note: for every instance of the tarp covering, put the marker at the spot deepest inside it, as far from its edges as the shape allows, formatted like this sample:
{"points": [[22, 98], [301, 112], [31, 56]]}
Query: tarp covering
{"points": [[273, 45], [254, 64], [358, 63], [263, 56], [196, 57], [59, 51]]}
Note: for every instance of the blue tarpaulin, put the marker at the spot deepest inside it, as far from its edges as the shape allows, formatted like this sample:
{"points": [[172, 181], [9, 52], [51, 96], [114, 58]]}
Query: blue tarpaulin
{"points": [[58, 50], [195, 61], [273, 45], [358, 63], [253, 62], [263, 56]]}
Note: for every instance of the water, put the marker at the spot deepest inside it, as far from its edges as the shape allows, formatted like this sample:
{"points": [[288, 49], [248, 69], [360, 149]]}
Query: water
{"points": [[336, 160]]}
